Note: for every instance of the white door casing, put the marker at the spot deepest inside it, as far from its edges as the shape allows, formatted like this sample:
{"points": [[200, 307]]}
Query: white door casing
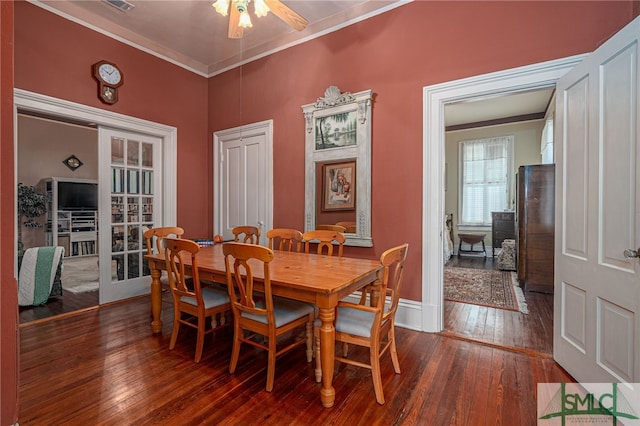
{"points": [[530, 77], [243, 178], [35, 102], [597, 151]]}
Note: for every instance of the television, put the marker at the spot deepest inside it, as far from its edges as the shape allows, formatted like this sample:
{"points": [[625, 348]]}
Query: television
{"points": [[77, 196]]}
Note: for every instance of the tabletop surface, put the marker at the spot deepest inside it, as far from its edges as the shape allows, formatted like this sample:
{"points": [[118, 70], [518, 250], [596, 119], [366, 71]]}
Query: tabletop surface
{"points": [[309, 272]]}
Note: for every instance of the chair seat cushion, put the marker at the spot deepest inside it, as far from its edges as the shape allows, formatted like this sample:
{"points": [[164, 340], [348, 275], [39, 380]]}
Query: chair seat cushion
{"points": [[354, 321], [211, 297], [284, 311]]}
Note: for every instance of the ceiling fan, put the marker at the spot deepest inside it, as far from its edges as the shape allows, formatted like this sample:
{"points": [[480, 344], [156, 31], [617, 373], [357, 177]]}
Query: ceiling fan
{"points": [[239, 18]]}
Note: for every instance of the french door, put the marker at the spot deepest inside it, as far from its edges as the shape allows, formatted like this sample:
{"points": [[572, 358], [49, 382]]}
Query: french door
{"points": [[130, 176]]}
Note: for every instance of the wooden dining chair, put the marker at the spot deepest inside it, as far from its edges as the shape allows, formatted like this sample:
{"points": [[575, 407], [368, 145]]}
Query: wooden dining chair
{"points": [[285, 239], [334, 228], [198, 303], [325, 240], [246, 234], [373, 326], [350, 227], [159, 234], [264, 316], [154, 238]]}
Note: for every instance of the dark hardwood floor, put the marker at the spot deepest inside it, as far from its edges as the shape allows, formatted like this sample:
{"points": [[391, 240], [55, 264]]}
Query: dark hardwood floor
{"points": [[532, 332], [65, 304], [104, 367]]}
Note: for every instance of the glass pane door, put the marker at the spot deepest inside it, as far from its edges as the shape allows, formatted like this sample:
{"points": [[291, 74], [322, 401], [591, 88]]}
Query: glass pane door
{"points": [[134, 175]]}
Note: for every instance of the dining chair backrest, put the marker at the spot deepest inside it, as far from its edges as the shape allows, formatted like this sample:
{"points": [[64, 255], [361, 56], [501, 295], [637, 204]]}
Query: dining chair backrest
{"points": [[325, 240], [177, 251], [392, 261], [246, 234], [285, 239], [240, 277], [350, 227], [334, 228], [159, 234]]}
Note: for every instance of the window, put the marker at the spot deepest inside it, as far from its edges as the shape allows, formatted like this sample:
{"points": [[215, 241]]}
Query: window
{"points": [[546, 144], [485, 166]]}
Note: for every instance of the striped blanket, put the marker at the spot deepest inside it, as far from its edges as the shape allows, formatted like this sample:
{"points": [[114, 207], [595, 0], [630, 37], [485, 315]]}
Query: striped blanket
{"points": [[37, 273]]}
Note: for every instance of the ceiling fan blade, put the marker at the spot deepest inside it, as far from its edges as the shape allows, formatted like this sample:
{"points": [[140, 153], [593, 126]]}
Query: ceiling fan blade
{"points": [[235, 30], [283, 12]]}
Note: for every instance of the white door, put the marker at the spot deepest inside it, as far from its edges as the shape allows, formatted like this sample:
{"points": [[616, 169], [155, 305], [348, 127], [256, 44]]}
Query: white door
{"points": [[243, 179], [131, 168], [597, 289]]}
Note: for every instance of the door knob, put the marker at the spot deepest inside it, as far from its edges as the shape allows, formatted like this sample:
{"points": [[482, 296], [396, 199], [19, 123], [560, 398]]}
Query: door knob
{"points": [[631, 254]]}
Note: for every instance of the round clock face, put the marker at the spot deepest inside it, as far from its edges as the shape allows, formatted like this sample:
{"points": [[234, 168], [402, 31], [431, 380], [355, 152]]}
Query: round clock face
{"points": [[109, 74]]}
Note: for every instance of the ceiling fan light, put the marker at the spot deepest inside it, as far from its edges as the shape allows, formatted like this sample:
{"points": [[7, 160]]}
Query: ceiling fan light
{"points": [[260, 8], [245, 20], [221, 6]]}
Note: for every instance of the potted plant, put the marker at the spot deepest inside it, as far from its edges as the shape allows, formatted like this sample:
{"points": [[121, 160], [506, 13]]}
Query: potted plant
{"points": [[31, 205]]}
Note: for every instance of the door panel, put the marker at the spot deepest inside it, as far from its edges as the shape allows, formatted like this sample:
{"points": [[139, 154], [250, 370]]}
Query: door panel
{"points": [[243, 174], [597, 325], [577, 171]]}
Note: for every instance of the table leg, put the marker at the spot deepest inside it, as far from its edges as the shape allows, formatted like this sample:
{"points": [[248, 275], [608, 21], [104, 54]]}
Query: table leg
{"points": [[156, 300], [327, 356]]}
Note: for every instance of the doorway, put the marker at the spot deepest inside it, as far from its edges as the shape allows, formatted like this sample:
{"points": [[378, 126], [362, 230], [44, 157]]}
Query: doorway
{"points": [[77, 114], [58, 158], [435, 98], [484, 302]]}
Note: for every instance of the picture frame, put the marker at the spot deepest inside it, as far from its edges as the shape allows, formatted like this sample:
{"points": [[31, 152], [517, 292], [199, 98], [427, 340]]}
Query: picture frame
{"points": [[339, 186]]}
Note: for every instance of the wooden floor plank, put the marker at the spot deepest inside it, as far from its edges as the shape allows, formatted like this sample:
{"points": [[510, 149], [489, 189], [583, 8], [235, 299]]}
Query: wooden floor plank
{"points": [[532, 332], [104, 367]]}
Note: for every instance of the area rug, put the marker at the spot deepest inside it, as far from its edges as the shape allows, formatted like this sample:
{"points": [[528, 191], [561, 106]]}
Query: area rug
{"points": [[496, 289]]}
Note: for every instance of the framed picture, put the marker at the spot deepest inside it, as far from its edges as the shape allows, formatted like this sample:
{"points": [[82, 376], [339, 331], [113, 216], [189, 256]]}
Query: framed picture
{"points": [[336, 130], [339, 186]]}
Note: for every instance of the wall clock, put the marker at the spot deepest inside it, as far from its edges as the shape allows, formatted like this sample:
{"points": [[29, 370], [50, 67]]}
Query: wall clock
{"points": [[72, 162], [109, 77]]}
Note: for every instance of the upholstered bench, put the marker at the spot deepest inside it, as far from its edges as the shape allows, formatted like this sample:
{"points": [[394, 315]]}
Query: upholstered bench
{"points": [[507, 256]]}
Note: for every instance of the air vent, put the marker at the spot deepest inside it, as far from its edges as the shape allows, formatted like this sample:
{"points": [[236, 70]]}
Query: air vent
{"points": [[120, 4]]}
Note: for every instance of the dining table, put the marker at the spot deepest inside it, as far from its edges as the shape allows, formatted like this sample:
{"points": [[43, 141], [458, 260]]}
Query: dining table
{"points": [[318, 279]]}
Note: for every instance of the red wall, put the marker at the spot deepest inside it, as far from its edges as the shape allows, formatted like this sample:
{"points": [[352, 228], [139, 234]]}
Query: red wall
{"points": [[8, 286], [397, 54], [54, 56]]}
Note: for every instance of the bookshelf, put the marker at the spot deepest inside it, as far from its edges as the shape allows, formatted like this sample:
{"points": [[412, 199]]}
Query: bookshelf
{"points": [[74, 229]]}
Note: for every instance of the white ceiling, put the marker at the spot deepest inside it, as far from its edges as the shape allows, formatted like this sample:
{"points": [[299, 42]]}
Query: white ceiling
{"points": [[191, 34], [508, 105]]}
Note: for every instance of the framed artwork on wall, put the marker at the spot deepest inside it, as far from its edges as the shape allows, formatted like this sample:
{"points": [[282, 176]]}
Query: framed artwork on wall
{"points": [[339, 186], [337, 130]]}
